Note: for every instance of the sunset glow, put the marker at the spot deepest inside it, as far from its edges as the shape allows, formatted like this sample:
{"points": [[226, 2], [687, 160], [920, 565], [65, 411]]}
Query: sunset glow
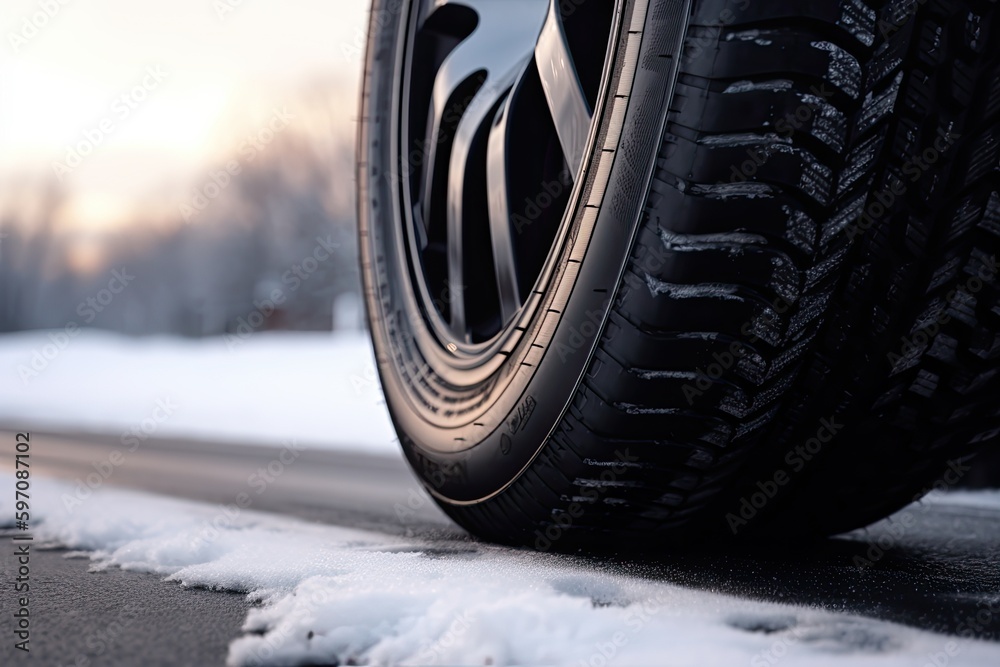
{"points": [[120, 100]]}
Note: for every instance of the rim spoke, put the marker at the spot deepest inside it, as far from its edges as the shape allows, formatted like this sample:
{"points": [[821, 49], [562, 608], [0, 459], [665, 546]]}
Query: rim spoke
{"points": [[457, 68], [496, 108], [500, 232], [511, 9], [479, 112], [455, 292], [497, 45], [563, 92]]}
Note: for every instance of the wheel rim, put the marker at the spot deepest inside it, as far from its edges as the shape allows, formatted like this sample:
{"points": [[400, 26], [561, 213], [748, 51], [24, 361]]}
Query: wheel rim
{"points": [[496, 114]]}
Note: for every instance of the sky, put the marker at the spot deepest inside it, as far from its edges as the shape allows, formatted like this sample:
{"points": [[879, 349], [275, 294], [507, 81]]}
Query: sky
{"points": [[157, 88]]}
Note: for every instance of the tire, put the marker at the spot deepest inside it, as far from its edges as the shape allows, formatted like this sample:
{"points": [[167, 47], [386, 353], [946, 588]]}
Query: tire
{"points": [[767, 302]]}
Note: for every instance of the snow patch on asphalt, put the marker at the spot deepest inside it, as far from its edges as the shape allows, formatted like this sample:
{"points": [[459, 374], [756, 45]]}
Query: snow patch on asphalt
{"points": [[318, 390], [333, 595], [989, 499]]}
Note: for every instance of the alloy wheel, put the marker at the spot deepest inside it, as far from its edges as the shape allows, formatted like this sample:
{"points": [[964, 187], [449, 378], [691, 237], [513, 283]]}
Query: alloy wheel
{"points": [[495, 117]]}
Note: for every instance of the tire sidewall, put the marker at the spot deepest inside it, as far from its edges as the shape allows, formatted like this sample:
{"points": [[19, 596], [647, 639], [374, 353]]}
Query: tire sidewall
{"points": [[482, 453]]}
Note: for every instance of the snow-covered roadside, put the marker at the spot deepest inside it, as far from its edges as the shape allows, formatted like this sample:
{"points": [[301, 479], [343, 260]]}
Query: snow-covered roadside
{"points": [[989, 499], [334, 593], [319, 390]]}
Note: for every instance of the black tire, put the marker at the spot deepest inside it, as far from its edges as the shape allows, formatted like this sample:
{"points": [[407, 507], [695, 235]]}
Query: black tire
{"points": [[733, 339]]}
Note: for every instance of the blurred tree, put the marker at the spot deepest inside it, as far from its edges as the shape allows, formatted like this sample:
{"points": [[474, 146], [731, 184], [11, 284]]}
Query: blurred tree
{"points": [[282, 227], [26, 240]]}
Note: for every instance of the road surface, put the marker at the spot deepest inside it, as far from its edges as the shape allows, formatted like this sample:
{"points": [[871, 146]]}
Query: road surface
{"points": [[939, 573]]}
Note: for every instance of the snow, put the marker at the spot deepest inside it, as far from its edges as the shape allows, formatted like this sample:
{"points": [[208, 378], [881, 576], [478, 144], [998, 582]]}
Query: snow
{"points": [[331, 593], [989, 499], [315, 389]]}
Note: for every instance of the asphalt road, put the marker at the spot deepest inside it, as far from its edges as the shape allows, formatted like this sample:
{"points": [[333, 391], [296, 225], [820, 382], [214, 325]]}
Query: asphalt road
{"points": [[117, 618], [939, 573]]}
